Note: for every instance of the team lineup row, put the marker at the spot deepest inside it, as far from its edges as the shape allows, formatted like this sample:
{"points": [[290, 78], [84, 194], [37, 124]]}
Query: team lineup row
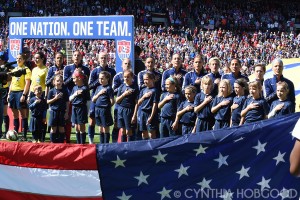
{"points": [[175, 102]]}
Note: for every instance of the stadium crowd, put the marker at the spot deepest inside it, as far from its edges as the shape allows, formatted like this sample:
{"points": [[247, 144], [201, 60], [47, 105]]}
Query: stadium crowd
{"points": [[253, 31], [230, 41]]}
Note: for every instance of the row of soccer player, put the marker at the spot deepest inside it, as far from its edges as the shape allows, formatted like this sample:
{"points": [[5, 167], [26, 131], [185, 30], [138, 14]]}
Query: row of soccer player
{"points": [[69, 85]]}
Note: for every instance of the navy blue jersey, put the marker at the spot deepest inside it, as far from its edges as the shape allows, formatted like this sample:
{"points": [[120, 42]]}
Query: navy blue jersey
{"points": [[172, 72], [82, 98], [118, 80], [37, 109], [191, 77], [51, 73], [214, 76], [68, 72], [205, 112], [128, 101], [258, 113], [104, 100], [236, 113], [188, 117], [270, 88], [139, 65], [157, 83], [215, 86], [147, 104], [224, 113], [170, 108], [59, 104], [232, 78], [287, 108], [94, 77]]}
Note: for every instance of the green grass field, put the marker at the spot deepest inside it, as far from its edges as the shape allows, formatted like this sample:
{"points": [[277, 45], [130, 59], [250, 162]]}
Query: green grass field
{"points": [[73, 135]]}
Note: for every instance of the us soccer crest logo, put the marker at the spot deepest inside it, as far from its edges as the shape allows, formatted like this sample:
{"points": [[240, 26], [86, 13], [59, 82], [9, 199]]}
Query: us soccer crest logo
{"points": [[124, 49], [14, 47]]}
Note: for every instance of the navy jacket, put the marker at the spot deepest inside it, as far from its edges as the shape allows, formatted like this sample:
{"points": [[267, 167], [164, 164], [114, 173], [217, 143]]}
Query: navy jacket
{"points": [[270, 90], [171, 72], [191, 77], [50, 75], [68, 72], [94, 77]]}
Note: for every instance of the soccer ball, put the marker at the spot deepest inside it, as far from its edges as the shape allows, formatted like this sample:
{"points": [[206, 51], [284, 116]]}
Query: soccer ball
{"points": [[12, 135]]}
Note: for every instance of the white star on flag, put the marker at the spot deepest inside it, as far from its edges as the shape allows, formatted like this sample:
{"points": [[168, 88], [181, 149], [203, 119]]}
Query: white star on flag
{"points": [[227, 195], [160, 157], [204, 184], [200, 150], [260, 147], [264, 183], [164, 193], [243, 172], [182, 170], [221, 160], [279, 158], [142, 178], [124, 197], [119, 162]]}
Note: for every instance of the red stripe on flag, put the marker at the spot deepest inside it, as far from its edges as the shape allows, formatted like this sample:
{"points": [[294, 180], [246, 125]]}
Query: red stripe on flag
{"points": [[6, 194], [48, 155]]}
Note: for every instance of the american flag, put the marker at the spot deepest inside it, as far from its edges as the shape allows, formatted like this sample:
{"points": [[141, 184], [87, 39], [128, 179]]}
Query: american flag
{"points": [[246, 162]]}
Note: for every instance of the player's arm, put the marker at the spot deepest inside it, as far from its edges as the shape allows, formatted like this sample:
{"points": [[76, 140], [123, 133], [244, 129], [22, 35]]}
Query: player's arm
{"points": [[93, 80], [67, 78], [295, 159], [27, 86], [49, 77], [153, 111]]}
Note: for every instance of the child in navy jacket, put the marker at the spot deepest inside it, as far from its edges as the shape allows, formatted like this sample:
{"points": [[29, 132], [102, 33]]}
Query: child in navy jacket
{"points": [[147, 106], [127, 99], [221, 107], [169, 103], [104, 100], [281, 106], [185, 113], [38, 108], [58, 100], [80, 95]]}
